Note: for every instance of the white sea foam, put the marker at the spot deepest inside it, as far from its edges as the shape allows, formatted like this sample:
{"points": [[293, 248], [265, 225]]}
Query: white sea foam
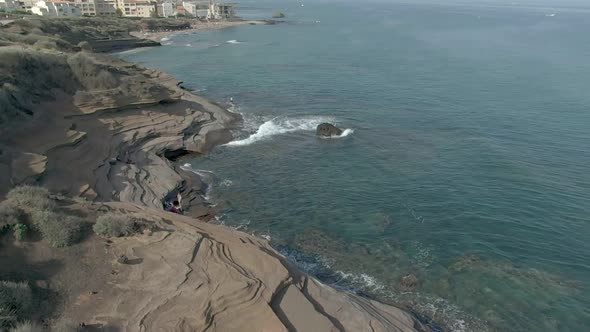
{"points": [[345, 132], [204, 174], [243, 226], [165, 39], [279, 126], [132, 51], [188, 45], [364, 280], [233, 41], [226, 183]]}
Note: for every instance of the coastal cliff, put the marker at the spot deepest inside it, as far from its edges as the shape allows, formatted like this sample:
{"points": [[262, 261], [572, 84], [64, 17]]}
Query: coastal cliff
{"points": [[95, 128]]}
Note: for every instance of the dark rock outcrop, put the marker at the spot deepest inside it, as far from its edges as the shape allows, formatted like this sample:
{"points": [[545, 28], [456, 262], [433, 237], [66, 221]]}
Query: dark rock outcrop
{"points": [[409, 281], [328, 130]]}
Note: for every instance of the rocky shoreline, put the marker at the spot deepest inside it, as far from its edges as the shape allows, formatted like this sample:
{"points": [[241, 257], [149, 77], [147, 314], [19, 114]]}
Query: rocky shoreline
{"points": [[101, 130], [196, 27]]}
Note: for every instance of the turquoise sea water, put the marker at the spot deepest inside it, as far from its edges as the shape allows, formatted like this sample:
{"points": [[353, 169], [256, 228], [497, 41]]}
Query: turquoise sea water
{"points": [[467, 162]]}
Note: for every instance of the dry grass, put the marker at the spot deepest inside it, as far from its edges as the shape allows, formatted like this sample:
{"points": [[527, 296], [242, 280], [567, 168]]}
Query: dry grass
{"points": [[16, 303], [115, 225], [31, 198], [28, 327], [10, 214], [57, 229]]}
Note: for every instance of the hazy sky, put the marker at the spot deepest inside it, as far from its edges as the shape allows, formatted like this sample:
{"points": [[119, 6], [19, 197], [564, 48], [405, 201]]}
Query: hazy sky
{"points": [[545, 3]]}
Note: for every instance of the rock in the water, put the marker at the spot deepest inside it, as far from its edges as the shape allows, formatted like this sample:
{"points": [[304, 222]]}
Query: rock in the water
{"points": [[409, 281], [327, 130]]}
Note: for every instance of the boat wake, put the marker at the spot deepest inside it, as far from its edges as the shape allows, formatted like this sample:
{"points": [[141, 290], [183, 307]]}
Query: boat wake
{"points": [[281, 125]]}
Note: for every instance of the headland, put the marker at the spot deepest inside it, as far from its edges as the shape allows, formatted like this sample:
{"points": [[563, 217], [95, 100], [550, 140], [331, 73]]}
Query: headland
{"points": [[101, 135]]}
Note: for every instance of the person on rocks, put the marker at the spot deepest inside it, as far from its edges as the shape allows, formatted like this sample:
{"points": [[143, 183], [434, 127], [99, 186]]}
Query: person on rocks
{"points": [[177, 205]]}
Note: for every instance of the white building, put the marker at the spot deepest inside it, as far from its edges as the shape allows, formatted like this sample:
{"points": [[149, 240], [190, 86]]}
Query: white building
{"points": [[9, 5], [137, 8], [55, 8], [106, 7], [202, 13], [26, 5], [220, 11], [96, 7], [190, 8], [87, 7], [168, 9]]}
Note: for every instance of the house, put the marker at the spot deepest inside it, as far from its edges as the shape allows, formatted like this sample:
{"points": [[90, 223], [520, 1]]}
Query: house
{"points": [[179, 11], [55, 8], [220, 11], [190, 8], [137, 8], [106, 7], [26, 5], [9, 5], [167, 9], [96, 7]]}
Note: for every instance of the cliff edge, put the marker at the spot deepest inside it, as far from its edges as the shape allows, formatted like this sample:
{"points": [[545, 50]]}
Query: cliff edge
{"points": [[103, 131]]}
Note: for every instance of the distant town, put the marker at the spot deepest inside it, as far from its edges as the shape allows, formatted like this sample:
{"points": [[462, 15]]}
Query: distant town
{"points": [[210, 9]]}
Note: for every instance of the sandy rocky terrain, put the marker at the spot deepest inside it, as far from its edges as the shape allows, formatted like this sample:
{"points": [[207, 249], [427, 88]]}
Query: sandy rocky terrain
{"points": [[88, 125]]}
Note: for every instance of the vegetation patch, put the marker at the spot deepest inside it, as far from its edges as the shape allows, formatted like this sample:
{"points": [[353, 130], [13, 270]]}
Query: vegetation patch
{"points": [[57, 229], [29, 327], [115, 225], [16, 303], [31, 198], [20, 231], [10, 215]]}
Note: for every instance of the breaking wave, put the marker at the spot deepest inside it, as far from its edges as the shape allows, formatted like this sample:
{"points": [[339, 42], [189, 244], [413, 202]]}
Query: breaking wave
{"points": [[233, 41], [279, 126], [345, 132], [207, 177]]}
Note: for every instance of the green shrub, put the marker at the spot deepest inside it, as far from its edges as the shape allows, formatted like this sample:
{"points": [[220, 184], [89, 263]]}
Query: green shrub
{"points": [[46, 44], [57, 229], [85, 46], [10, 214], [27, 327], [30, 197], [16, 303], [20, 231], [114, 225]]}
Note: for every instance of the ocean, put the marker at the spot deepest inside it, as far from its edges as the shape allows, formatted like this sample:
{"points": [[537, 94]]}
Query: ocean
{"points": [[465, 161]]}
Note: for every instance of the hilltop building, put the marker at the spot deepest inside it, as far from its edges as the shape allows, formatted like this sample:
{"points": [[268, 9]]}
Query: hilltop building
{"points": [[137, 8], [9, 5], [165, 9], [26, 5], [190, 8], [55, 8], [97, 7], [220, 11]]}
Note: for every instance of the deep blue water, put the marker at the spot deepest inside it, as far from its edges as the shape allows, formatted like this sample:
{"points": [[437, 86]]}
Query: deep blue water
{"points": [[468, 164]]}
